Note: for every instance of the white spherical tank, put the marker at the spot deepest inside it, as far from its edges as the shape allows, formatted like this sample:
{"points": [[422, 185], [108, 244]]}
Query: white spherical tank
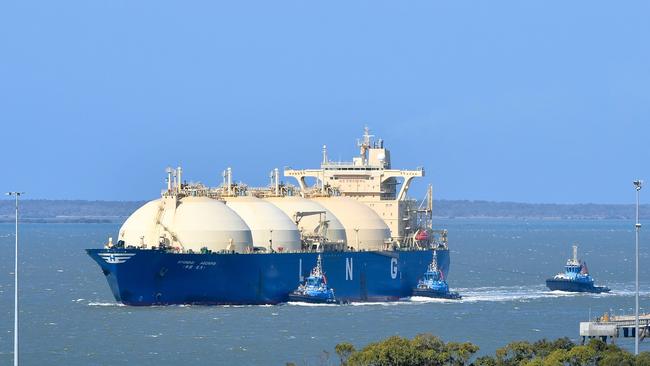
{"points": [[204, 222], [268, 223], [191, 223], [310, 224], [140, 228], [364, 228]]}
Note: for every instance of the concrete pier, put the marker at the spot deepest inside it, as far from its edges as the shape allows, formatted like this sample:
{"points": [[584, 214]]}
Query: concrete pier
{"points": [[614, 327]]}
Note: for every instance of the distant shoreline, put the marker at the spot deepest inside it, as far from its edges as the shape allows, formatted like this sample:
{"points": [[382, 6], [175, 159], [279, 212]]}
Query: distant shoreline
{"points": [[81, 211]]}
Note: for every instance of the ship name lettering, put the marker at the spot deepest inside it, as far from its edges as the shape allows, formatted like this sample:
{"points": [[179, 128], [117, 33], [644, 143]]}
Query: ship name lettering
{"points": [[393, 268]]}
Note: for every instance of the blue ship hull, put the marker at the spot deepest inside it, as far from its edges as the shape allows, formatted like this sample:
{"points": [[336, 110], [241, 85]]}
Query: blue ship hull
{"points": [[574, 286], [154, 277]]}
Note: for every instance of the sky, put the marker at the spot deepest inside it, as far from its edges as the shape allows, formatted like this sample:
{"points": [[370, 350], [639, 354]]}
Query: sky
{"points": [[527, 101]]}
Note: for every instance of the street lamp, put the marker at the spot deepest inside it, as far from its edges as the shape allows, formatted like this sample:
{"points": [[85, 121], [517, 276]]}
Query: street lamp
{"points": [[637, 185], [16, 195]]}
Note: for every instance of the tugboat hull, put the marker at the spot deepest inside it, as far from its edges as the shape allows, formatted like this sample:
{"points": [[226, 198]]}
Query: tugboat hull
{"points": [[436, 294], [311, 299], [574, 286]]}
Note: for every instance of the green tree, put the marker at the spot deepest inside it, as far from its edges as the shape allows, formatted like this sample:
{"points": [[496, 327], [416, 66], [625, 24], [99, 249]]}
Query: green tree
{"points": [[460, 353], [431, 350], [485, 361], [612, 348], [394, 350], [597, 345], [556, 358], [544, 347], [428, 350], [563, 343], [344, 351], [643, 359], [514, 354], [537, 361], [582, 356], [617, 359], [424, 349]]}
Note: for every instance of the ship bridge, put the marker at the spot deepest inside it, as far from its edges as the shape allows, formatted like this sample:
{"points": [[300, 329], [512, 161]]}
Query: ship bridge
{"points": [[370, 179]]}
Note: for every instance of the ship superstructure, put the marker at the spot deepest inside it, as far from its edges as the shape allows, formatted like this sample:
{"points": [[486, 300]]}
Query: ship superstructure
{"points": [[370, 179], [235, 244]]}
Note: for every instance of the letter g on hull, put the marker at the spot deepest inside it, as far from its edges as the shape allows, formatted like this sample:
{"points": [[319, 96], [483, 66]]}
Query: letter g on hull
{"points": [[393, 268]]}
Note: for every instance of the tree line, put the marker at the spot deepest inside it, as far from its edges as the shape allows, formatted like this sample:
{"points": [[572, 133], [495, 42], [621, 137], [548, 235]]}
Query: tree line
{"points": [[117, 211], [429, 350]]}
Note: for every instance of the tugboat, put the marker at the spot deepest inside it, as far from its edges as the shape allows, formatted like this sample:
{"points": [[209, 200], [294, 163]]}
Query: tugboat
{"points": [[433, 284], [575, 278], [314, 289]]}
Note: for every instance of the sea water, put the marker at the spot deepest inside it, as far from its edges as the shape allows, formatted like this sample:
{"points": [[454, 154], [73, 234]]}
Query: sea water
{"points": [[68, 315]]}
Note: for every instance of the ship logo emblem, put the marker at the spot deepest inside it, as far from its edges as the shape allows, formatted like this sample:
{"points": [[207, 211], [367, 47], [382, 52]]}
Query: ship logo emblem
{"points": [[116, 258]]}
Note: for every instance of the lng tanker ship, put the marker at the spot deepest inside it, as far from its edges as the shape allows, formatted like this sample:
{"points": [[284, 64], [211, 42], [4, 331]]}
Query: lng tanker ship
{"points": [[235, 244]]}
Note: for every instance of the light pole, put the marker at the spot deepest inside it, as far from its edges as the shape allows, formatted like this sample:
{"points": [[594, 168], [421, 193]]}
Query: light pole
{"points": [[637, 185], [16, 195]]}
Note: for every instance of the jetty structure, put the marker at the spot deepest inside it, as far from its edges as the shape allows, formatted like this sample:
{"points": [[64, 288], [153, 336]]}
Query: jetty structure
{"points": [[613, 327]]}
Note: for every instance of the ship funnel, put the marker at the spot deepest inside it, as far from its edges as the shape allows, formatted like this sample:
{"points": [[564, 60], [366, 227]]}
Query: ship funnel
{"points": [[575, 253], [276, 181]]}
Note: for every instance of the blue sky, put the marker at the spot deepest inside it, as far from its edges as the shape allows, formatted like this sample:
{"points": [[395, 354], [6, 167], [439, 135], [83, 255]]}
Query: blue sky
{"points": [[532, 101]]}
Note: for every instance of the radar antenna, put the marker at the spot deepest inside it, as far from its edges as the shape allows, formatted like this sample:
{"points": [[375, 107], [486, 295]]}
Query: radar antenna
{"points": [[364, 145]]}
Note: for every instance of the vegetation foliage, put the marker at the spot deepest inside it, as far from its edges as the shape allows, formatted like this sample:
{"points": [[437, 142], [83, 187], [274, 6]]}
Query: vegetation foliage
{"points": [[429, 350]]}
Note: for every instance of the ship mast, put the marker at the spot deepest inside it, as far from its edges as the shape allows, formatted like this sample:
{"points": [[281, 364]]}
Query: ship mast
{"points": [[364, 145]]}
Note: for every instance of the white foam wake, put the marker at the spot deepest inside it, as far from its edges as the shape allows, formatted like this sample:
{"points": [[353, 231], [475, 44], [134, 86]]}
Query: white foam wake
{"points": [[105, 304], [300, 303]]}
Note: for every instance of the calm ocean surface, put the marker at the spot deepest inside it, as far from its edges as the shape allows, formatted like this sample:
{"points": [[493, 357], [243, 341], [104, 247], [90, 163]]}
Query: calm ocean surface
{"points": [[69, 317]]}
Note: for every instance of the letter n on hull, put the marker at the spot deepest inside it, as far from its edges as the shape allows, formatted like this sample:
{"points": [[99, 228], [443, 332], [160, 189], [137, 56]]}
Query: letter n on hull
{"points": [[348, 269]]}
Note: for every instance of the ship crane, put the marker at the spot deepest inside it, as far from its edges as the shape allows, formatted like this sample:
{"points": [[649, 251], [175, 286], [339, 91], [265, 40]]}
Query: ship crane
{"points": [[300, 214], [321, 230]]}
